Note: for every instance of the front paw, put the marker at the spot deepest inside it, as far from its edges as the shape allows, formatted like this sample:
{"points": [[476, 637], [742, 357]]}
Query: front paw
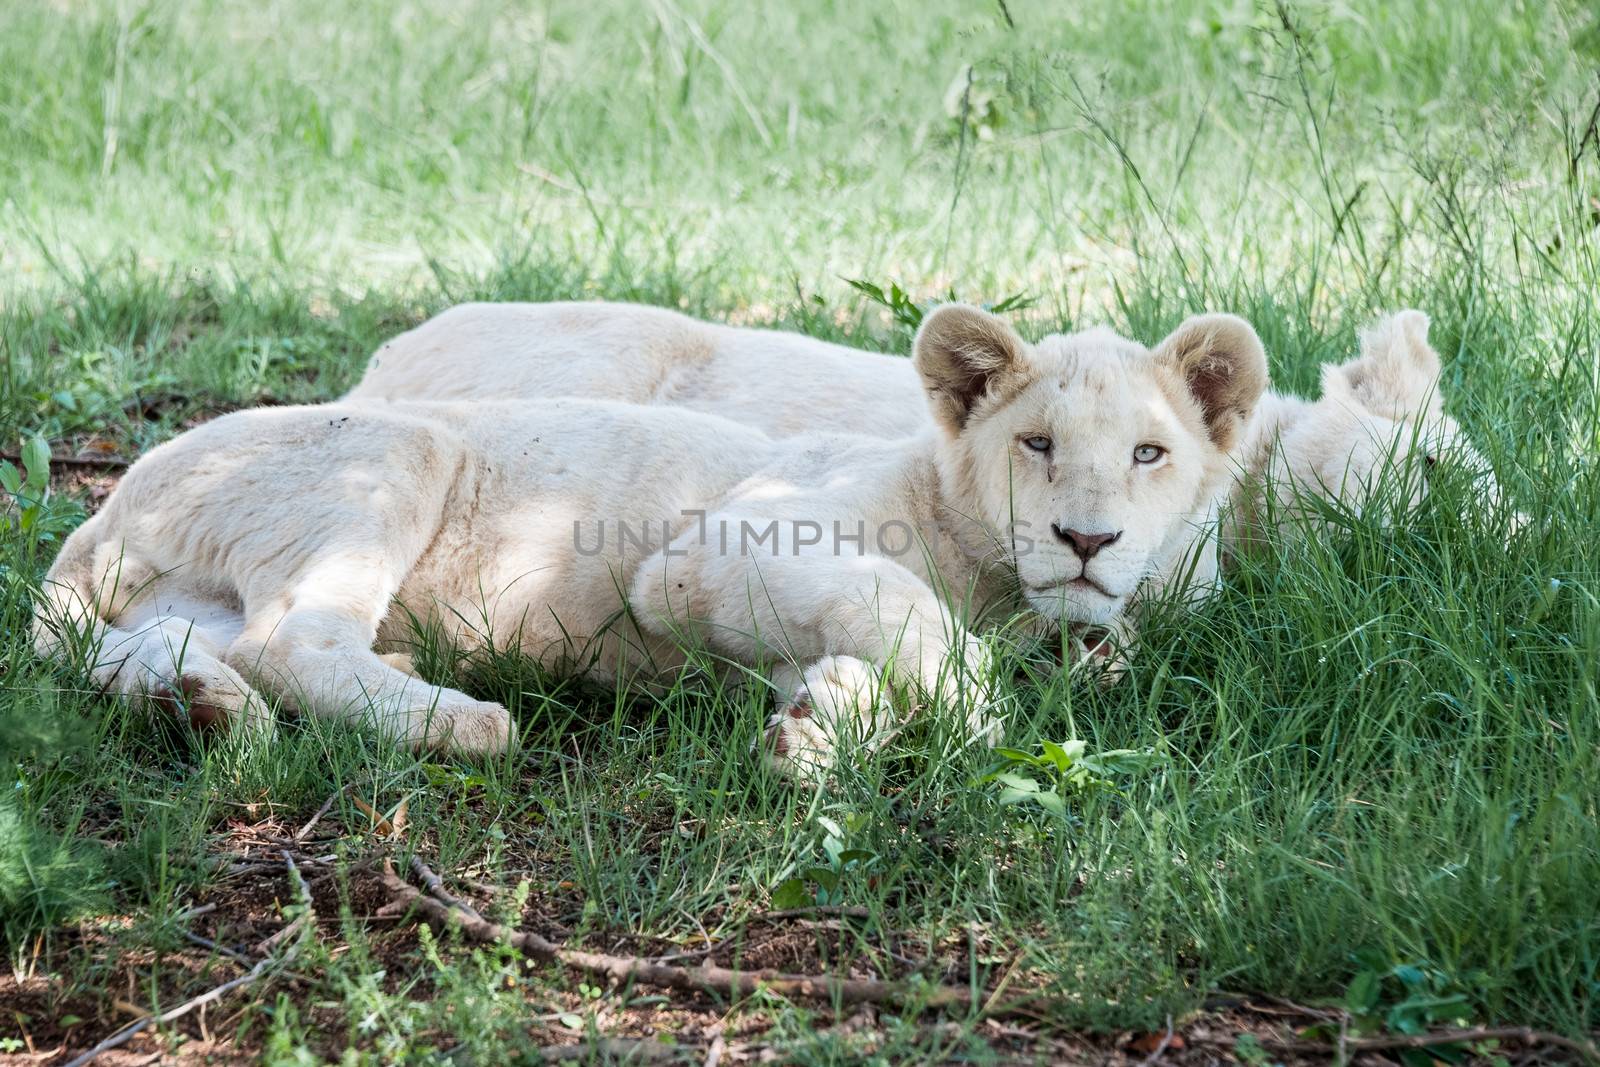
{"points": [[985, 728], [841, 700], [467, 728], [1100, 649], [212, 697], [794, 746]]}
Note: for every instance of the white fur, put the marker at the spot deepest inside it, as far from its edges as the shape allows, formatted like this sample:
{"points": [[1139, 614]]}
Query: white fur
{"points": [[277, 546], [782, 383], [1382, 409], [1380, 415]]}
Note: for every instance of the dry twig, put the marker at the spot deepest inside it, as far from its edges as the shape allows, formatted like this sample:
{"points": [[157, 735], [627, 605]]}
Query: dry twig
{"points": [[292, 934], [705, 978], [311, 824], [1160, 1050], [103, 462]]}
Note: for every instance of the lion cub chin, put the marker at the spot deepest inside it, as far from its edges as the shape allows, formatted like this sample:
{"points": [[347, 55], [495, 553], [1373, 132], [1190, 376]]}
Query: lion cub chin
{"points": [[264, 554]]}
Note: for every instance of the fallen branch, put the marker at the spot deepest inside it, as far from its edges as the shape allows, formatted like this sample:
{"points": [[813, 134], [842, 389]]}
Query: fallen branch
{"points": [[705, 978], [291, 934], [1522, 1035], [435, 886], [105, 462]]}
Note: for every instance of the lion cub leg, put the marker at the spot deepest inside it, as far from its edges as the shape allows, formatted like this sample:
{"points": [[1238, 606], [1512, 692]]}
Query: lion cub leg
{"points": [[314, 646], [171, 666], [836, 702], [866, 617]]}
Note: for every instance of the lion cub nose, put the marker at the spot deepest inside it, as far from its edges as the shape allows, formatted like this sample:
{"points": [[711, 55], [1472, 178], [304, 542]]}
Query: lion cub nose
{"points": [[1085, 545]]}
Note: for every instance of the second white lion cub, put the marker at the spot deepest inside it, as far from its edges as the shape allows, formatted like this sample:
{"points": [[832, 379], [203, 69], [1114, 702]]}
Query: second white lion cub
{"points": [[269, 550]]}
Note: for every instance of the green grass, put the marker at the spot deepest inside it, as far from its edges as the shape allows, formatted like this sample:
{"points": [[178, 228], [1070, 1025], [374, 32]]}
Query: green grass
{"points": [[1379, 747]]}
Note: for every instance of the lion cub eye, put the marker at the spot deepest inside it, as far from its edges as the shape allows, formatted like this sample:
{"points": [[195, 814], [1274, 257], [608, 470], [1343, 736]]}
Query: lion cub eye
{"points": [[1039, 443], [1148, 453]]}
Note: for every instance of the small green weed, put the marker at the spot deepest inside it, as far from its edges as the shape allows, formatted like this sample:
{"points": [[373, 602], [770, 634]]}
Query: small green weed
{"points": [[31, 513], [908, 313], [1061, 771], [1409, 998]]}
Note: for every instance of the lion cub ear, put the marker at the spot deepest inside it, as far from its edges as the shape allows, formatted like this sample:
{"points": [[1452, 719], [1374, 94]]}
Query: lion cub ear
{"points": [[963, 354], [1220, 359], [1396, 373]]}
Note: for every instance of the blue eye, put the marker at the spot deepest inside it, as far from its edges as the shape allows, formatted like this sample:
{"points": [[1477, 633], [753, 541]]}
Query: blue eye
{"points": [[1039, 443], [1148, 453]]}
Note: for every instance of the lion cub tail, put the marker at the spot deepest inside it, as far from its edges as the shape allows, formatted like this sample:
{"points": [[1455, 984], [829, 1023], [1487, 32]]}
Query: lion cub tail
{"points": [[67, 616]]}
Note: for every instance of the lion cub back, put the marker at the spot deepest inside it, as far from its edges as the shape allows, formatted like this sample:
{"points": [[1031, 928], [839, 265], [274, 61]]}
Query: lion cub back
{"points": [[782, 383]]}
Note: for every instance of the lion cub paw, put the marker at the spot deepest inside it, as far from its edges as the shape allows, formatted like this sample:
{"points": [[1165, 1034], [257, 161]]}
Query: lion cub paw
{"points": [[1099, 649], [468, 728], [841, 700], [212, 697]]}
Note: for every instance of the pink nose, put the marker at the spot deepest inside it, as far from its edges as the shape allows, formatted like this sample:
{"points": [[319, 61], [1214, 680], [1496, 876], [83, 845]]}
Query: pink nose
{"points": [[1085, 545]]}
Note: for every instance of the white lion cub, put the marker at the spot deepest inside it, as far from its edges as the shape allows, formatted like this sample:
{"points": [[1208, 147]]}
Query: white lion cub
{"points": [[269, 550], [1380, 415]]}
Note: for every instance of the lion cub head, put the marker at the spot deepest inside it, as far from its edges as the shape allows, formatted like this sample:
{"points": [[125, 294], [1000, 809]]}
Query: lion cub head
{"points": [[1380, 416], [1096, 461]]}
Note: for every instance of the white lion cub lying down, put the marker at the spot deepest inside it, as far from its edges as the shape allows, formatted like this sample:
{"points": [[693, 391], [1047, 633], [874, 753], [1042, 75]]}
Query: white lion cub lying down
{"points": [[1381, 407], [268, 550]]}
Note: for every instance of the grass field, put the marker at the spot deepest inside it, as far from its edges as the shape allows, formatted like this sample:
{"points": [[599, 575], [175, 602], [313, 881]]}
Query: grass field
{"points": [[1370, 797]]}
